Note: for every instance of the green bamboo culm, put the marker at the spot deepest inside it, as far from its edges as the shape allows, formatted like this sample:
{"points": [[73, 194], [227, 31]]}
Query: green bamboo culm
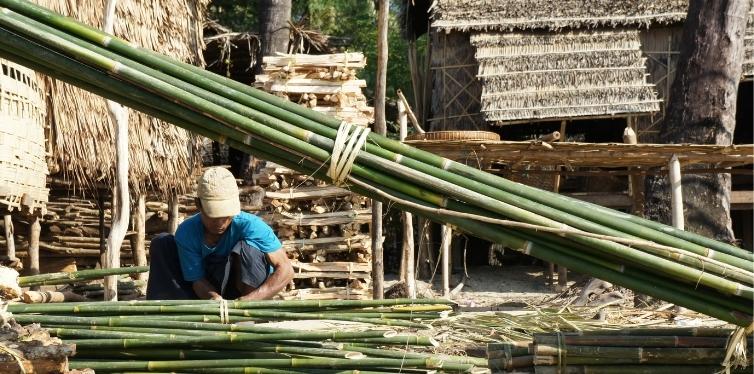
{"points": [[76, 276]]}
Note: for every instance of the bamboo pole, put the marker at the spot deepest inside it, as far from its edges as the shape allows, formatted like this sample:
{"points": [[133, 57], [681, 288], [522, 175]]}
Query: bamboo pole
{"points": [[380, 127], [10, 243]]}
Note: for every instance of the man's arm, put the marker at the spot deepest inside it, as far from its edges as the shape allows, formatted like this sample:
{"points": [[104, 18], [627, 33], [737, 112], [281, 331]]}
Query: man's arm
{"points": [[276, 281], [205, 290]]}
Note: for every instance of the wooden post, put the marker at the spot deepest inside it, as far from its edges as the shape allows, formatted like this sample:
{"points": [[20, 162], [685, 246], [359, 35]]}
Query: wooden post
{"points": [[676, 192], [447, 238], [34, 230], [562, 270], [408, 220], [101, 227], [9, 239], [121, 202], [380, 127], [173, 213], [635, 181], [138, 242]]}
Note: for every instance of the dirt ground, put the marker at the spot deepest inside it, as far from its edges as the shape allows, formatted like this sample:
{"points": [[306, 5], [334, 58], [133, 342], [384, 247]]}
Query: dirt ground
{"points": [[497, 288]]}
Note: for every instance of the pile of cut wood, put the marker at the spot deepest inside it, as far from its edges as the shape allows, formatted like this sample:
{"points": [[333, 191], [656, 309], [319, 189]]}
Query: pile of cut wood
{"points": [[325, 83], [325, 231]]}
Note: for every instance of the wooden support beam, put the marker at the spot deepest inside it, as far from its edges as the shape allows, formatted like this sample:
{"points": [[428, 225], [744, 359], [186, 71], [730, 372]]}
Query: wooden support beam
{"points": [[138, 240], [34, 230], [10, 242], [676, 193], [407, 260], [380, 127], [447, 239], [173, 213]]}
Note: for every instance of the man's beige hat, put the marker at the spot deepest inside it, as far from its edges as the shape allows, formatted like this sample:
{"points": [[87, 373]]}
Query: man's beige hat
{"points": [[219, 193]]}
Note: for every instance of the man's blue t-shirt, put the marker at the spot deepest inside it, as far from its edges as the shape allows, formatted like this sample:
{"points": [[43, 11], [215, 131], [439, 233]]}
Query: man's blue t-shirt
{"points": [[191, 248]]}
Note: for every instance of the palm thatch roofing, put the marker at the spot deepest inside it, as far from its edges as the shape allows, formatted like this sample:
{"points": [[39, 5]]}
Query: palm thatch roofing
{"points": [[23, 169], [162, 157], [531, 76], [493, 15], [229, 53]]}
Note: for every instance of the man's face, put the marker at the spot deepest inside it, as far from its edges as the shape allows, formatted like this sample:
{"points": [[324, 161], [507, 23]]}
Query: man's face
{"points": [[216, 226]]}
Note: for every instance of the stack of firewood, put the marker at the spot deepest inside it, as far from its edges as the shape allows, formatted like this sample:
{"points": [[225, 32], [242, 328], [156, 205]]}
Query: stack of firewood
{"points": [[325, 83], [325, 231]]}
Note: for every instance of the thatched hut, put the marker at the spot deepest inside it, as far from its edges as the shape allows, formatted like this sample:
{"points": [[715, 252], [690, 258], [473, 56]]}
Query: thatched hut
{"points": [[162, 157], [508, 62]]}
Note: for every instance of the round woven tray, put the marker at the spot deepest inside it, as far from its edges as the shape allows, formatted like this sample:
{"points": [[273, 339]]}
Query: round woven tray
{"points": [[454, 135]]}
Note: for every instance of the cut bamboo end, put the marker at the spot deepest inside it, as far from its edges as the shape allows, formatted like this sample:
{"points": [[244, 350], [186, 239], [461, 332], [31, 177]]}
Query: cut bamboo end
{"points": [[354, 355]]}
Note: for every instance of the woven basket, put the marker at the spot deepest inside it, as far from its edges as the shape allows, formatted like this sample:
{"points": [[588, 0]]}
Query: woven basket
{"points": [[23, 168], [455, 135]]}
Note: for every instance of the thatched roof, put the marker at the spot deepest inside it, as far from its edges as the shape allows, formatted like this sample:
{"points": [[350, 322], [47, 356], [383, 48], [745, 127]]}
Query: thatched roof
{"points": [[494, 15], [23, 169], [162, 157], [535, 76]]}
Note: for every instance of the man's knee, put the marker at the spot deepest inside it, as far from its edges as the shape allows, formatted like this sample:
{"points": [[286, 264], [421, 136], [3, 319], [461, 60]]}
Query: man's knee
{"points": [[163, 242]]}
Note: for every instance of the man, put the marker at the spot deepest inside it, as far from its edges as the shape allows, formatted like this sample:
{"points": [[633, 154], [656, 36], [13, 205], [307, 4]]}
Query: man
{"points": [[220, 253]]}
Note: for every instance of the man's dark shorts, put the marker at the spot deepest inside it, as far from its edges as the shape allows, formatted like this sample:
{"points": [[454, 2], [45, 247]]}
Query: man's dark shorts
{"points": [[166, 278]]}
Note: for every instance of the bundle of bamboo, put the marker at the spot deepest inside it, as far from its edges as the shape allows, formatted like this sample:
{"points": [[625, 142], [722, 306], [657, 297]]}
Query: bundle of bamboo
{"points": [[199, 335], [683, 268], [647, 350]]}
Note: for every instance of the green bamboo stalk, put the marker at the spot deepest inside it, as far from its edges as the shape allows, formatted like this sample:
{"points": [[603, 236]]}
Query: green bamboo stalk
{"points": [[271, 363], [447, 359], [76, 276], [662, 331], [255, 330], [191, 309], [637, 354], [633, 341], [219, 352]]}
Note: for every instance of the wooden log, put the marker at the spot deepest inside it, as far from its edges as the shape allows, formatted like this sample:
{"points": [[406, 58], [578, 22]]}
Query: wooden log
{"points": [[39, 297]]}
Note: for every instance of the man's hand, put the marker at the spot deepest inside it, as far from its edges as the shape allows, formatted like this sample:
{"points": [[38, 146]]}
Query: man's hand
{"points": [[277, 281], [205, 290]]}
